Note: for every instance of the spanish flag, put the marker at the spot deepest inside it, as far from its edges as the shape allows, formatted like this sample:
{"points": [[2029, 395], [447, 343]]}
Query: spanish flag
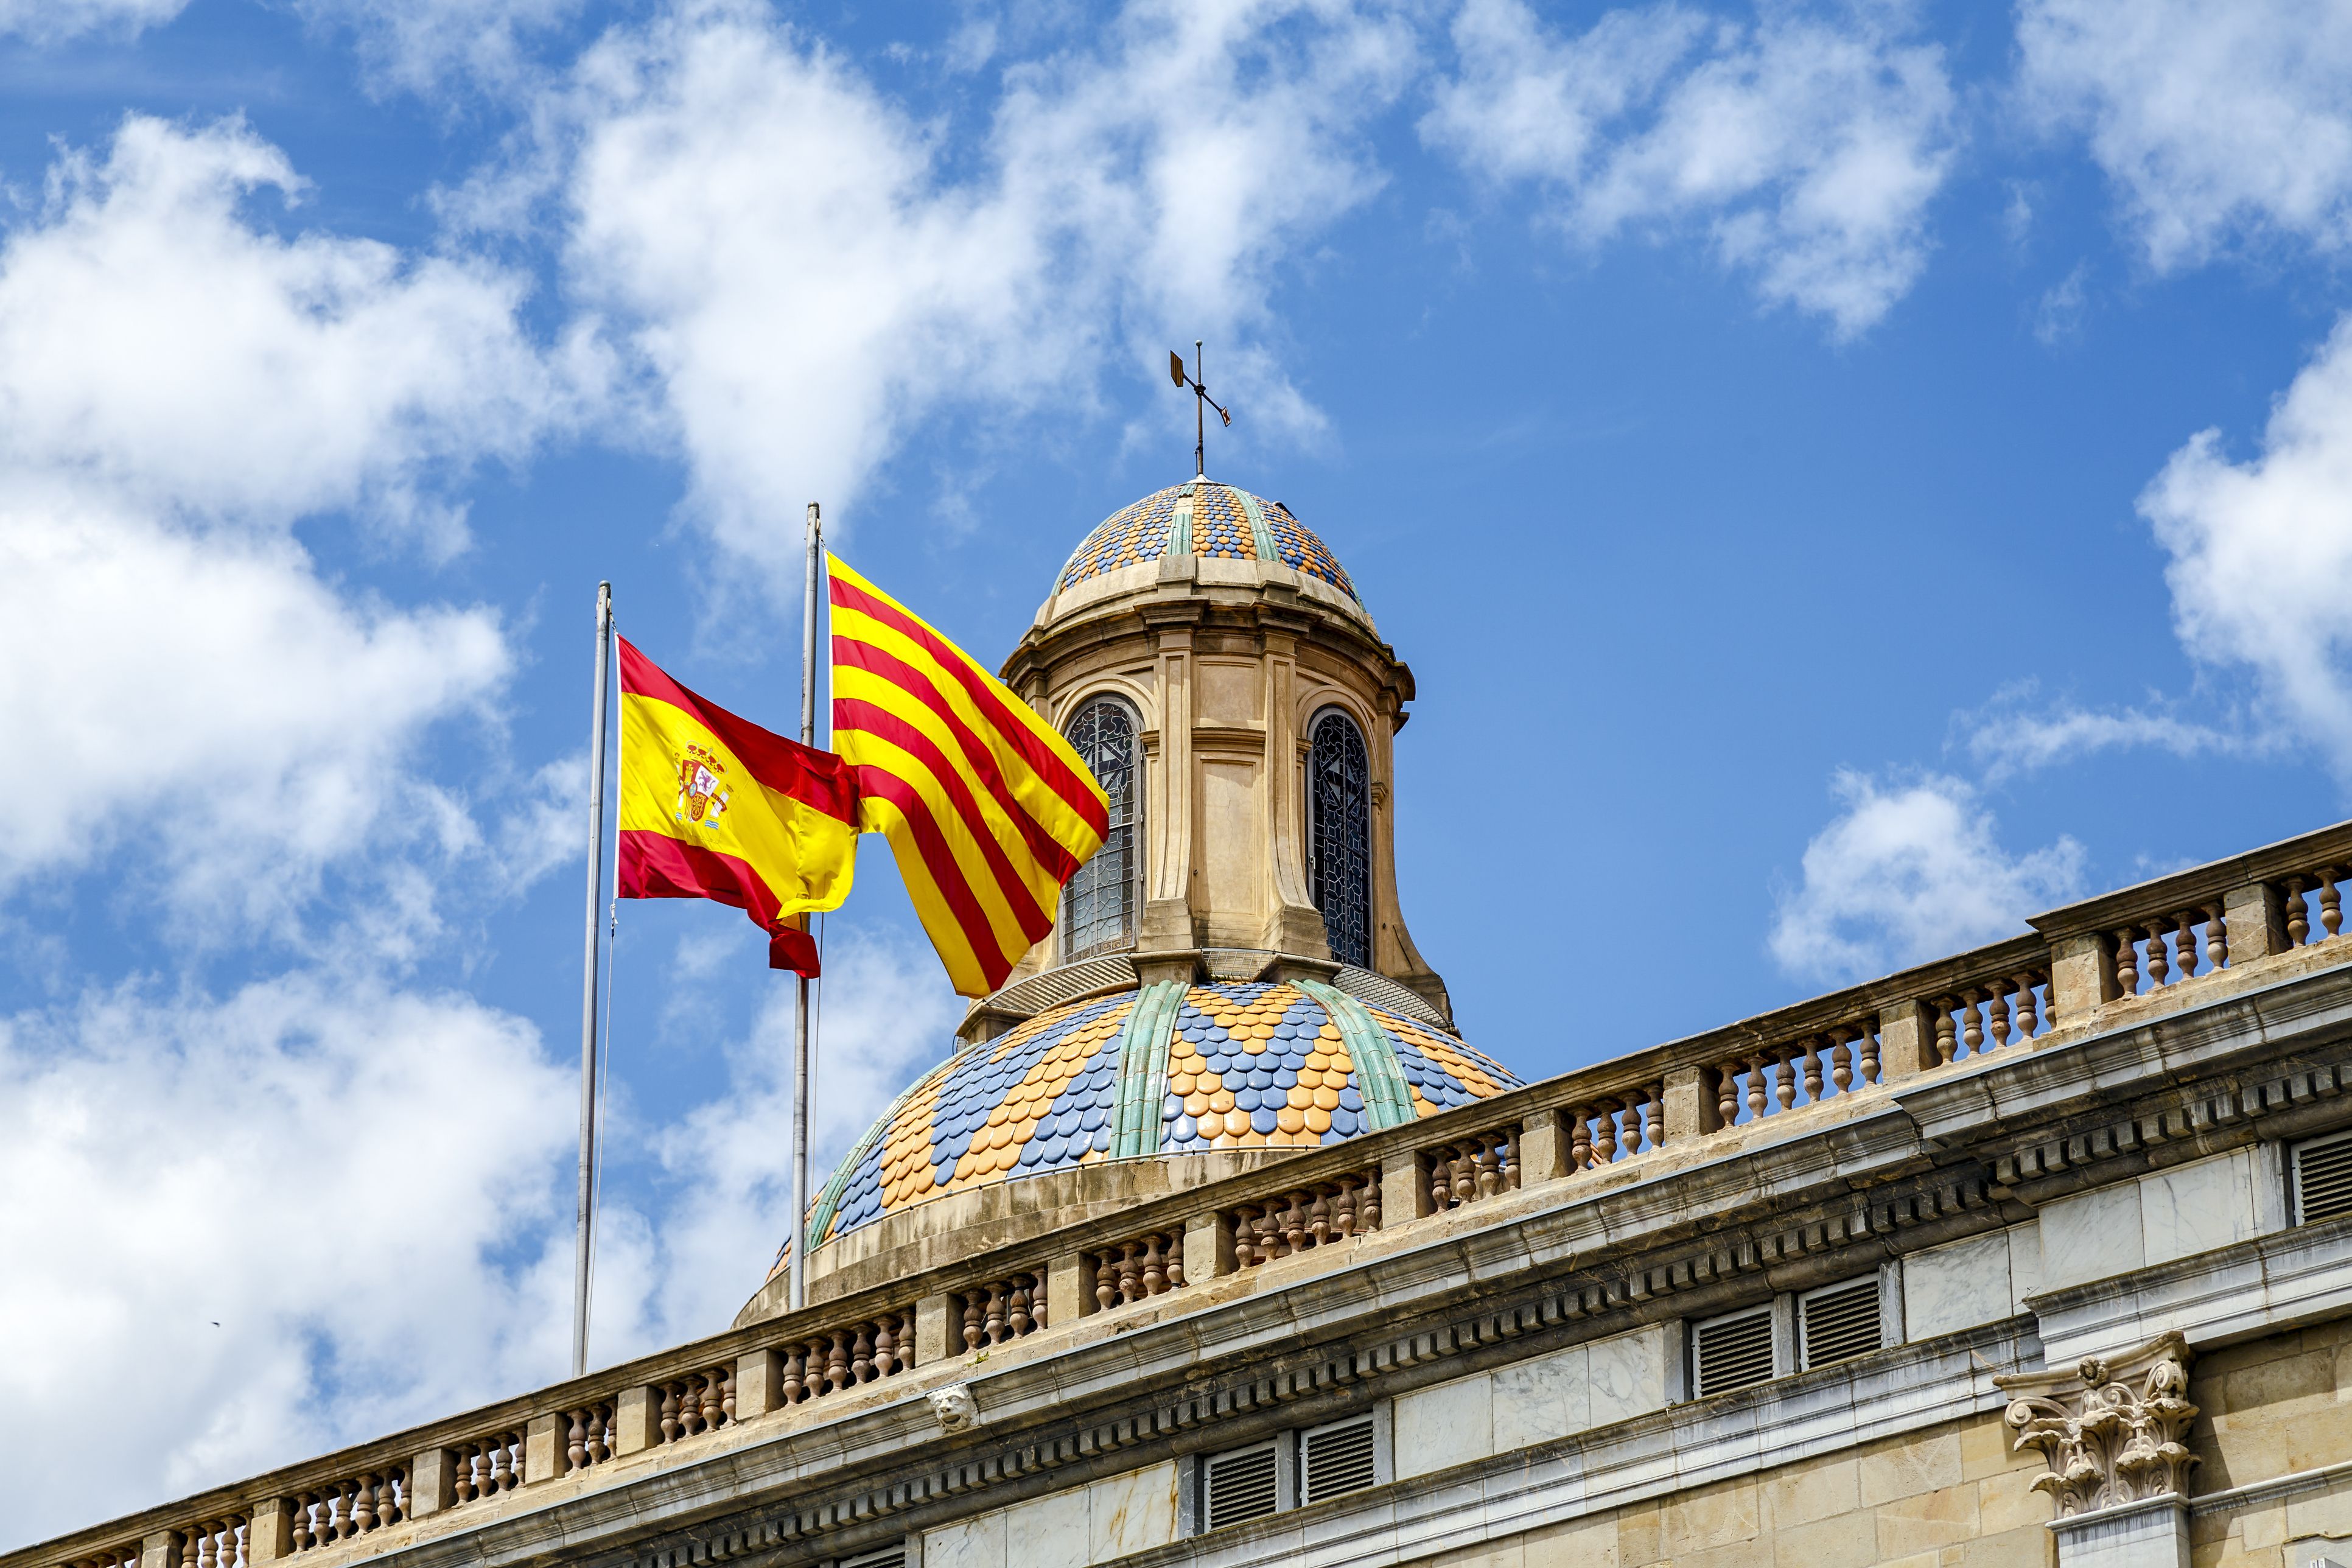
{"points": [[987, 809], [713, 806]]}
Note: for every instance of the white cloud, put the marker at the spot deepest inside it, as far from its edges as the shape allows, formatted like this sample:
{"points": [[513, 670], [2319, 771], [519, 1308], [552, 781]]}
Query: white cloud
{"points": [[211, 701], [352, 1183], [1907, 873], [427, 47], [158, 339], [805, 277], [2262, 553], [2218, 122], [1808, 144], [56, 21], [2015, 734]]}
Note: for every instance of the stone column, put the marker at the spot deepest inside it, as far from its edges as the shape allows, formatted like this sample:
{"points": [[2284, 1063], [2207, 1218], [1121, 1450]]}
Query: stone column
{"points": [[543, 1444], [759, 1377], [270, 1527], [2254, 918], [1690, 1109], [160, 1549], [1404, 1190], [635, 1416], [1543, 1147], [1906, 1040], [2112, 1431], [1168, 814], [432, 1482], [1069, 1294], [939, 1328], [2083, 976], [1208, 1249]]}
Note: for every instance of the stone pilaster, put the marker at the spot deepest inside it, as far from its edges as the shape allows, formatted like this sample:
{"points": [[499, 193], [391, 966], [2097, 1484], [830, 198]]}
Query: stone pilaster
{"points": [[2254, 917], [2083, 976]]}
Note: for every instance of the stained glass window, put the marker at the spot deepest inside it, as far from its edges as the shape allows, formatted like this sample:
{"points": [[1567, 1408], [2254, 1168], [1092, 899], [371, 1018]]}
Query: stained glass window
{"points": [[1099, 907], [1340, 833]]}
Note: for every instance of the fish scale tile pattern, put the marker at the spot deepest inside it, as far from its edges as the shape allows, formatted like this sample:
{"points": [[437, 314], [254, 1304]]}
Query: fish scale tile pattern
{"points": [[1250, 1065], [1220, 527]]}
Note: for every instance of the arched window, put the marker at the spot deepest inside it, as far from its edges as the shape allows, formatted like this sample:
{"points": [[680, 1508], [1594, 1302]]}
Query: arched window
{"points": [[1099, 907], [1339, 834]]}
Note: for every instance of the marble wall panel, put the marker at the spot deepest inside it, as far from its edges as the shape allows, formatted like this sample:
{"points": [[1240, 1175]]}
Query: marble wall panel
{"points": [[1537, 1400], [2091, 1236], [1098, 1522], [2197, 1206], [1957, 1286], [1629, 1375], [1444, 1426]]}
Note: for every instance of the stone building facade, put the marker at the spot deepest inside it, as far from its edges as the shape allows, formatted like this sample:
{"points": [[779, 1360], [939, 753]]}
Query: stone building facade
{"points": [[1213, 1244]]}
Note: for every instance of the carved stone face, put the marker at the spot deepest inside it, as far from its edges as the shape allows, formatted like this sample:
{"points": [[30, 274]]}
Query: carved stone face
{"points": [[955, 1408]]}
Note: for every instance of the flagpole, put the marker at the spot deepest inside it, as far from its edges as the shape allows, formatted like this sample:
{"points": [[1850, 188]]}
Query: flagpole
{"points": [[588, 980], [799, 1286]]}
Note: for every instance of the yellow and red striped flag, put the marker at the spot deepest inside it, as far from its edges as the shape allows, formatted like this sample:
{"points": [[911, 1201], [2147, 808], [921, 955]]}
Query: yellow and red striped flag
{"points": [[713, 806], [987, 809]]}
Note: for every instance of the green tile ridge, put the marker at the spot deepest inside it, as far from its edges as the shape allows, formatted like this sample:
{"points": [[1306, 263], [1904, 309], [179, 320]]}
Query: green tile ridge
{"points": [[1179, 529], [1388, 1099], [1265, 549], [1143, 1069]]}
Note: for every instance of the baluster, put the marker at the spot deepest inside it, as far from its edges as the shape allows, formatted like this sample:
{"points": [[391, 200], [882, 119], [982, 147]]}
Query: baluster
{"points": [[1653, 1128], [670, 1429], [2184, 944], [2157, 968], [1784, 1077], [1604, 1132], [797, 1367], [1841, 1063], [2127, 962], [837, 1363], [890, 1344], [861, 1365], [2331, 902], [995, 1325], [300, 1531], [198, 1548], [1319, 1219], [1155, 1274], [972, 1331], [338, 1512], [1973, 1008], [1368, 1212], [576, 1447], [1997, 1013], [1175, 1259], [1294, 1229], [2217, 936], [1946, 1046], [1756, 1088], [1269, 1246], [1726, 1094], [463, 1487], [1106, 1281], [599, 1435], [393, 1498], [1440, 1180], [1580, 1138], [2298, 917], [1488, 1169], [1244, 1236], [1507, 1149], [1811, 1048], [1017, 1314], [2028, 1026], [714, 1400], [362, 1505], [1343, 1211]]}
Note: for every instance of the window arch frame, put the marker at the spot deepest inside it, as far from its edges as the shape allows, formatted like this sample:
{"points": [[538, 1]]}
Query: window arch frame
{"points": [[1324, 713], [1132, 912]]}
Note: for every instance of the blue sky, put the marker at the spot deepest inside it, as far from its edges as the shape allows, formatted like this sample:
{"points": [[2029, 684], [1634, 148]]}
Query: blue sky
{"points": [[1846, 475]]}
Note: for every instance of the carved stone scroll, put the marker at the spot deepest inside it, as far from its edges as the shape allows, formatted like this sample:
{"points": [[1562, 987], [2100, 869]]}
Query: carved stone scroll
{"points": [[2111, 1429]]}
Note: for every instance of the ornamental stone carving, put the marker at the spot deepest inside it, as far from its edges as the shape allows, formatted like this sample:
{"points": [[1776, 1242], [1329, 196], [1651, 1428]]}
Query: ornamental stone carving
{"points": [[955, 1408], [2110, 1429]]}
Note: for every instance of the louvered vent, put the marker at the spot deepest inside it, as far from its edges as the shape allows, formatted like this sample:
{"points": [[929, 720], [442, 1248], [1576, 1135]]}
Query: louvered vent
{"points": [[2322, 1179], [889, 1557], [1237, 1487], [1735, 1352], [1840, 1321], [1335, 1459]]}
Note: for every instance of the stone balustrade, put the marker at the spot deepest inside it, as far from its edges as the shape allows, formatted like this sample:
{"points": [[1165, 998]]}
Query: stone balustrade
{"points": [[1465, 1171], [1304, 1218], [1001, 1310], [2137, 948], [1140, 1267], [698, 1402]]}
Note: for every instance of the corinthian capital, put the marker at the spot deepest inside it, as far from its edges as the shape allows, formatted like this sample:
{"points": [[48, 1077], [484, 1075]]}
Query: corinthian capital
{"points": [[2111, 1429]]}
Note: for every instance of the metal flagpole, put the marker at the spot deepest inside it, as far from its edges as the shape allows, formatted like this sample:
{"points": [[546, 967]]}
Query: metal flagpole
{"points": [[800, 1028], [588, 979]]}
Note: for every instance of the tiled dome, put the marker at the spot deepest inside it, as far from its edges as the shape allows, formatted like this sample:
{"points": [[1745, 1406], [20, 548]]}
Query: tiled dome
{"points": [[1251, 1065], [1208, 518]]}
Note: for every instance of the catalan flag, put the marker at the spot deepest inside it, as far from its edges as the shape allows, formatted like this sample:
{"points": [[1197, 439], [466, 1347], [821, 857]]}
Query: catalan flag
{"points": [[987, 809], [713, 806]]}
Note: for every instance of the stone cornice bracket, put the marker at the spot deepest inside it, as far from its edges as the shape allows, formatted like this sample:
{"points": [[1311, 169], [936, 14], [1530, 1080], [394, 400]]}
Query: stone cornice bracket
{"points": [[2111, 1429]]}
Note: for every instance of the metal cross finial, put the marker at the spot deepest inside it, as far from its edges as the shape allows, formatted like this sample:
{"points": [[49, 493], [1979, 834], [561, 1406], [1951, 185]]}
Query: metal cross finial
{"points": [[1200, 397]]}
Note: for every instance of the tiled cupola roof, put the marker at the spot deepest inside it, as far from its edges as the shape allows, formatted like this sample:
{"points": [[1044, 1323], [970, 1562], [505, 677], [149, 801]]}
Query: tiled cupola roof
{"points": [[1210, 519], [1247, 1065]]}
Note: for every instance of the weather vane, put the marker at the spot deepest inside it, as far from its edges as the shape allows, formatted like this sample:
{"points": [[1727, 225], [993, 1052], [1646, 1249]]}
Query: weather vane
{"points": [[1200, 397]]}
